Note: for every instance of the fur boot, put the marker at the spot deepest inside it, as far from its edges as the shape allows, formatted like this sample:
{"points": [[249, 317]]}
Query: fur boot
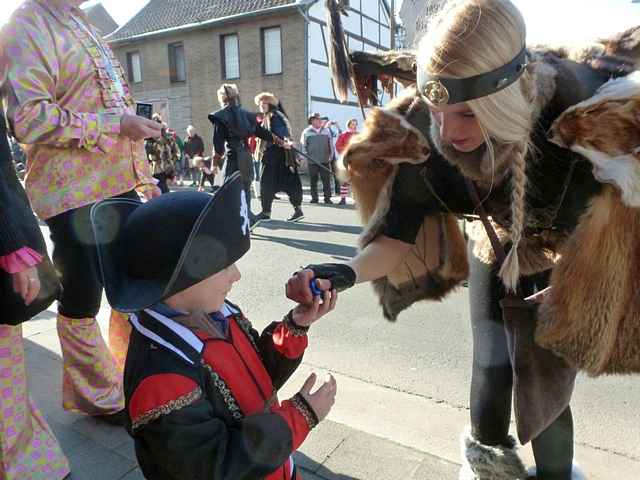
{"points": [[483, 462]]}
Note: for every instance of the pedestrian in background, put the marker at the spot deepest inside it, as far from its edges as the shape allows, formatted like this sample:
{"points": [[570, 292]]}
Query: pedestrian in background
{"points": [[163, 153], [334, 130], [232, 127], [279, 165], [341, 145], [193, 147], [66, 96], [317, 142]]}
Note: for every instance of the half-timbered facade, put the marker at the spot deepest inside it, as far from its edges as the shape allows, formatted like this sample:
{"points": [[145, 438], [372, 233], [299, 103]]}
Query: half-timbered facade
{"points": [[367, 27]]}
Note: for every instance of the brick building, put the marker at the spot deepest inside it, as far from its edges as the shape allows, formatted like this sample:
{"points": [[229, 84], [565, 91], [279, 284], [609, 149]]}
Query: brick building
{"points": [[177, 53]]}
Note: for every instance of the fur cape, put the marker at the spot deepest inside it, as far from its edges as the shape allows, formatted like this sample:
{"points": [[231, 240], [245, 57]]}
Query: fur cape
{"points": [[400, 133], [591, 314]]}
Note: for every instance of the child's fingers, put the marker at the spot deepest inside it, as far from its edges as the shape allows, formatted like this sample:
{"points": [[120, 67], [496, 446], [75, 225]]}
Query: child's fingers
{"points": [[297, 288], [323, 284], [327, 298], [334, 299], [308, 384], [316, 306], [328, 388]]}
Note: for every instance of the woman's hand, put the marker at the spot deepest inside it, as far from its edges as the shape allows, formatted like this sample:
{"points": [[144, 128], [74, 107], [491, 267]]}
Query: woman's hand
{"points": [[323, 398], [304, 315], [27, 284], [138, 128], [151, 192]]}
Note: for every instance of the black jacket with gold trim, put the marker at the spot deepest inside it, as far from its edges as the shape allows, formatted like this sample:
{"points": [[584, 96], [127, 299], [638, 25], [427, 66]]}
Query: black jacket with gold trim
{"points": [[204, 405]]}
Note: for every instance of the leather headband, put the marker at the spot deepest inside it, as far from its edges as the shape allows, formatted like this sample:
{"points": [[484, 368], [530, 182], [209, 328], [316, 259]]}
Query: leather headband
{"points": [[438, 91]]}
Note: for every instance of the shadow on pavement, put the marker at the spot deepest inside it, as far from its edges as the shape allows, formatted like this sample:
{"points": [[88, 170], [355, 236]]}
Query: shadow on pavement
{"points": [[340, 252], [312, 470], [305, 226]]}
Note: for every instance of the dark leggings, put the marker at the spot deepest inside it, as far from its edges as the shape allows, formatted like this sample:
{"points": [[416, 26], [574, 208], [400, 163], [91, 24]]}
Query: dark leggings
{"points": [[492, 377], [75, 258]]}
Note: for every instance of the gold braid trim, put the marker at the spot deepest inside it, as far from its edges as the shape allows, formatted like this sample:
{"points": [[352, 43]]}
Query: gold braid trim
{"points": [[295, 329], [246, 327], [222, 387], [305, 410], [167, 408]]}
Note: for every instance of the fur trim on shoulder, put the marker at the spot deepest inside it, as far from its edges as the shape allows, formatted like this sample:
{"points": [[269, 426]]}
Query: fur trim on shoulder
{"points": [[484, 462], [387, 139], [266, 97]]}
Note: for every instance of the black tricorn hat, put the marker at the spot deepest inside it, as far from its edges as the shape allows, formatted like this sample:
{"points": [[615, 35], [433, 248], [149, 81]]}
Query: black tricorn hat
{"points": [[150, 251]]}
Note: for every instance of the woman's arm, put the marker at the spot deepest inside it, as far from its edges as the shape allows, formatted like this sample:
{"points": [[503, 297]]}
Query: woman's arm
{"points": [[376, 260], [379, 258]]}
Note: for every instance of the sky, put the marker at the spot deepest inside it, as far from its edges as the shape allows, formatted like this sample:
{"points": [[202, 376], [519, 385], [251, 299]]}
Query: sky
{"points": [[548, 21]]}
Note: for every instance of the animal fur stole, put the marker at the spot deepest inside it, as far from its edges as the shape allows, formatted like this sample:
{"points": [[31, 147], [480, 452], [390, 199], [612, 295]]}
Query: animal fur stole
{"points": [[592, 314]]}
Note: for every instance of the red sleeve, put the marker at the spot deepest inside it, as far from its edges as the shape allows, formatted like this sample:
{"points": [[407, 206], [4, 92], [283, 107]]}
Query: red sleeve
{"points": [[160, 394], [289, 342], [297, 418]]}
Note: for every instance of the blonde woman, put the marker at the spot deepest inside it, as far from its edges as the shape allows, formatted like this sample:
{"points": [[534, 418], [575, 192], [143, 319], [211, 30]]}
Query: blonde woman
{"points": [[484, 102]]}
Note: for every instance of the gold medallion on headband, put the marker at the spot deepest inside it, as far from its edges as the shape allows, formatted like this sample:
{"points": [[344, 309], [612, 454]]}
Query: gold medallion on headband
{"points": [[436, 93]]}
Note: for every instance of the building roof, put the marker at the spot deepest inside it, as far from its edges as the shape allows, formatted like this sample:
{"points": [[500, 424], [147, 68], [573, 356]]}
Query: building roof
{"points": [[100, 18], [160, 16]]}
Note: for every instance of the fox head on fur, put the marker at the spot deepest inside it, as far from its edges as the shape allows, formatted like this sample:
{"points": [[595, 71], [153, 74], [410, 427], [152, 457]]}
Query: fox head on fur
{"points": [[386, 138], [606, 130]]}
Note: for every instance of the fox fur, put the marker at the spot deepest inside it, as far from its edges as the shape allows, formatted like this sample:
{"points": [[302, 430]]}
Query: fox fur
{"points": [[592, 314], [438, 262]]}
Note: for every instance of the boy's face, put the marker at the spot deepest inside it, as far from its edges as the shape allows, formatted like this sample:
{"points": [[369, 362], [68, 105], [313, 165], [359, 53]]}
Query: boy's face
{"points": [[207, 295]]}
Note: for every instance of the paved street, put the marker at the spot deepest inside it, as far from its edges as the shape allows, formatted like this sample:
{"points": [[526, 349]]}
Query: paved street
{"points": [[402, 387]]}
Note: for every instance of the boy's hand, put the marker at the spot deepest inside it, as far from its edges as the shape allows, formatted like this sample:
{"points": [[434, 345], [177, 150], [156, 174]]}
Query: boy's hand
{"points": [[322, 399], [298, 289], [305, 315]]}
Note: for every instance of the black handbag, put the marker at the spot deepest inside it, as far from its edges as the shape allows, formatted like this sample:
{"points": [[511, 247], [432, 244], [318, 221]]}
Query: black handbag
{"points": [[12, 307], [543, 382]]}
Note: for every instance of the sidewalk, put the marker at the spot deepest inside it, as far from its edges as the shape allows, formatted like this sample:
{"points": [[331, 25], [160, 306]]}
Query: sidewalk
{"points": [[98, 451]]}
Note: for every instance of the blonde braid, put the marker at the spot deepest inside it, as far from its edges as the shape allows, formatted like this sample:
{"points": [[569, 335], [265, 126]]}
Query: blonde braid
{"points": [[510, 270]]}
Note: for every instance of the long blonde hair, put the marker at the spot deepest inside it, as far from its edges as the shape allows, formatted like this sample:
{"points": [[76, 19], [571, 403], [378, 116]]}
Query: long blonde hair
{"points": [[471, 37]]}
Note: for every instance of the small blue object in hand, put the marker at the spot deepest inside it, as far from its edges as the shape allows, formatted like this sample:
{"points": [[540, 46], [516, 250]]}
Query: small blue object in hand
{"points": [[314, 288]]}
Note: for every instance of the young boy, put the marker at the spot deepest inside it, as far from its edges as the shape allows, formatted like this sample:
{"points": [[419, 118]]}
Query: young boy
{"points": [[200, 382]]}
